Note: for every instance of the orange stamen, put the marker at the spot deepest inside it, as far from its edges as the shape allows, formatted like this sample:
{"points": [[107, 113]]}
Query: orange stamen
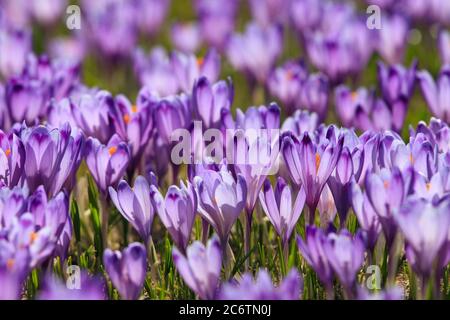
{"points": [[386, 184], [200, 61], [126, 118], [134, 108], [8, 152], [428, 186], [112, 150], [33, 237], [317, 161], [10, 263], [354, 95]]}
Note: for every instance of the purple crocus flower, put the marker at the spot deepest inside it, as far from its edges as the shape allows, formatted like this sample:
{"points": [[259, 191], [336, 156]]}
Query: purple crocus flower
{"points": [[392, 38], [135, 123], [127, 269], [51, 156], [346, 256], [216, 20], [425, 226], [435, 93], [150, 14], [310, 165], [111, 26], [340, 184], [397, 84], [200, 268], [12, 159], [221, 200], [172, 113], [48, 11], [155, 71], [255, 51], [301, 121], [186, 37], [14, 269], [12, 204], [286, 82], [314, 94], [279, 208], [15, 45], [351, 103], [188, 68], [386, 192], [135, 205], [107, 163], [268, 12], [366, 215], [313, 251], [177, 211], [88, 288], [291, 288], [306, 15], [209, 100], [93, 114], [444, 47]]}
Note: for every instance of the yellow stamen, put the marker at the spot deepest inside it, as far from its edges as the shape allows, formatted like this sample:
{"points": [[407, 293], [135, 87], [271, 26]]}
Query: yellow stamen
{"points": [[8, 152], [112, 150], [126, 118], [134, 108], [10, 263], [411, 159], [428, 186], [317, 161]]}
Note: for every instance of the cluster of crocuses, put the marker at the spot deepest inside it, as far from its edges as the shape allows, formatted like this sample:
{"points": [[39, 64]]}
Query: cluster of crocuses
{"points": [[345, 202]]}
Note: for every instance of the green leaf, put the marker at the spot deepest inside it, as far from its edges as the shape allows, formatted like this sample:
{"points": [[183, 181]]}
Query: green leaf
{"points": [[75, 215]]}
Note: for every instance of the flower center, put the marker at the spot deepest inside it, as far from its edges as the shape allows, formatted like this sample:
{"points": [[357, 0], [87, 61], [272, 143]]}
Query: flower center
{"points": [[33, 237], [354, 95], [386, 184], [126, 118], [428, 186], [10, 263], [134, 108], [200, 61], [8, 152], [317, 161], [112, 150]]}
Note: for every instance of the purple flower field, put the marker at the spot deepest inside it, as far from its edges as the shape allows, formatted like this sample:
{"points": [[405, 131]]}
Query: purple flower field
{"points": [[230, 150]]}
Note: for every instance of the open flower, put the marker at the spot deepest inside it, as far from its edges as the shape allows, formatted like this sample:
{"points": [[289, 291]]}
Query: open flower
{"points": [[177, 211], [127, 269], [200, 268], [135, 205]]}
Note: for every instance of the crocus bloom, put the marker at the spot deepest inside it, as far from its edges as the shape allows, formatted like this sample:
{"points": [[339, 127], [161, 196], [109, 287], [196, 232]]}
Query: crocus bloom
{"points": [[14, 48], [301, 121], [386, 192], [366, 215], [200, 268], [135, 205], [51, 156], [435, 93], [314, 94], [172, 113], [210, 99], [262, 288], [392, 38], [188, 68], [93, 113], [127, 269], [286, 82], [107, 163], [221, 200], [48, 11], [88, 288], [216, 20], [306, 15], [346, 255], [310, 165], [348, 102], [425, 226], [279, 208], [150, 14], [177, 211], [268, 12], [12, 159], [255, 51], [340, 184], [14, 269], [185, 37], [444, 47], [313, 250], [155, 71]]}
